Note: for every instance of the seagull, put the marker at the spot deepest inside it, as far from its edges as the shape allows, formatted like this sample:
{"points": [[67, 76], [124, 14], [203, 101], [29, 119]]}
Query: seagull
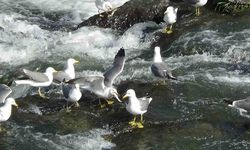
{"points": [[102, 85], [38, 79], [170, 16], [71, 93], [68, 73], [136, 106], [5, 109], [197, 4], [159, 68], [106, 6], [243, 106]]}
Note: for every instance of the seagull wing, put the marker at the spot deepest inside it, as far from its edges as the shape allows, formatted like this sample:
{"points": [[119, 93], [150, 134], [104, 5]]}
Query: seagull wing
{"points": [[144, 103], [116, 69], [92, 83], [244, 104], [4, 92], [60, 76], [162, 70], [36, 76]]}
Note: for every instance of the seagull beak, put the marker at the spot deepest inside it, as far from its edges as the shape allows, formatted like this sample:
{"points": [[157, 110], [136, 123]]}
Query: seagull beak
{"points": [[15, 104], [125, 96], [117, 96], [77, 62]]}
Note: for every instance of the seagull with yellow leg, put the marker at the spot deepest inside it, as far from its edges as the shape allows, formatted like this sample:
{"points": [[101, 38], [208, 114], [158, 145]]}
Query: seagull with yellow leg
{"points": [[197, 4], [170, 17], [38, 79], [136, 106]]}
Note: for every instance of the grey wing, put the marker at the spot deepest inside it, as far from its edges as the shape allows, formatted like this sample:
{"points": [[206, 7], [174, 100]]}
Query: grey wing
{"points": [[60, 76], [162, 70], [66, 89], [192, 2], [37, 76], [144, 103], [92, 83], [244, 104], [116, 69], [4, 92]]}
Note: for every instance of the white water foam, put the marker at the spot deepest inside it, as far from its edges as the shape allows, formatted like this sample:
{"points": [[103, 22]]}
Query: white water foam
{"points": [[74, 10], [93, 139]]}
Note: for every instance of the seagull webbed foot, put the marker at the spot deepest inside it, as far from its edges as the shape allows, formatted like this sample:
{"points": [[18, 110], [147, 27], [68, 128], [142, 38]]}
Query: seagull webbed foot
{"points": [[110, 102], [139, 125]]}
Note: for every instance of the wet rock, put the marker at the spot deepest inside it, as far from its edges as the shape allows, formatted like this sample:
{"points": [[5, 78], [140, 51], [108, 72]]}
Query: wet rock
{"points": [[130, 13]]}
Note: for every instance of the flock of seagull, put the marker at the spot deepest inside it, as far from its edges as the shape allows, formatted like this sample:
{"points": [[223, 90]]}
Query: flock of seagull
{"points": [[102, 85]]}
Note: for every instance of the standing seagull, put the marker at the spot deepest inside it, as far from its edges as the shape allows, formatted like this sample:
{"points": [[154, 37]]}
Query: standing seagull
{"points": [[5, 109], [38, 79], [68, 73], [243, 106], [136, 106], [71, 93], [170, 16], [106, 6], [102, 85], [197, 4], [159, 68]]}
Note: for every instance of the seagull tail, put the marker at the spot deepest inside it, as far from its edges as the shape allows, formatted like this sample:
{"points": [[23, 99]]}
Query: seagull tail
{"points": [[172, 77]]}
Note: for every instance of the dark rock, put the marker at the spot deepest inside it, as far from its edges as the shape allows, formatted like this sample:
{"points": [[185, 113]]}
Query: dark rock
{"points": [[130, 13]]}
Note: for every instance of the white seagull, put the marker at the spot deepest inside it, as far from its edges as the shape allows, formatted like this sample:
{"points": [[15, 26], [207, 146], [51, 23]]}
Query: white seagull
{"points": [[106, 6], [38, 79], [136, 106], [170, 17], [5, 108], [197, 4], [159, 68], [72, 93], [67, 73]]}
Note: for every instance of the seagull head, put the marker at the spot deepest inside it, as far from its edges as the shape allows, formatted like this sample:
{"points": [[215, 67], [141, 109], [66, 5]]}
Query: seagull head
{"points": [[114, 93], [11, 101], [72, 61], [129, 93], [50, 70]]}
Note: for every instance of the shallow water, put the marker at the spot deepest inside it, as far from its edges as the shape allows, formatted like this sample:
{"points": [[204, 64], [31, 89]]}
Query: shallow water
{"points": [[210, 61]]}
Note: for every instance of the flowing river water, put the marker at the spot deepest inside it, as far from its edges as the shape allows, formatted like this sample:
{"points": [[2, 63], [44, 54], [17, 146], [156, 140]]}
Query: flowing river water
{"points": [[211, 62]]}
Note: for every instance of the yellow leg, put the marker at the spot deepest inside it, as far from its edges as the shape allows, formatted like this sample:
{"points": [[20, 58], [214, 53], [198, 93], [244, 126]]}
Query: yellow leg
{"points": [[40, 94], [197, 11], [142, 118], [140, 124], [77, 104], [133, 123], [68, 108]]}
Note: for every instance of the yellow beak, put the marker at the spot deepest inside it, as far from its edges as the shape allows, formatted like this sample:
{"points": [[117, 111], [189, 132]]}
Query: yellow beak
{"points": [[16, 105], [77, 62], [125, 96]]}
